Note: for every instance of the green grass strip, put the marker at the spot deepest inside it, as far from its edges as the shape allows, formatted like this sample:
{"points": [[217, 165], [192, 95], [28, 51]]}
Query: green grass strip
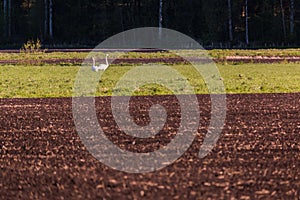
{"points": [[57, 81]]}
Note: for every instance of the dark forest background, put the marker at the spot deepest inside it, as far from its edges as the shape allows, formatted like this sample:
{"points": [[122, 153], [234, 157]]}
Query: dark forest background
{"points": [[213, 23]]}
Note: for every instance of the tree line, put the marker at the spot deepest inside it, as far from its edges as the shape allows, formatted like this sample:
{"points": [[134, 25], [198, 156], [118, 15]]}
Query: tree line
{"points": [[216, 23]]}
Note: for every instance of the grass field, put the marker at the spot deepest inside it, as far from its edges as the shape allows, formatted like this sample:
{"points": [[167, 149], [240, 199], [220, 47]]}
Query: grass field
{"points": [[58, 81]]}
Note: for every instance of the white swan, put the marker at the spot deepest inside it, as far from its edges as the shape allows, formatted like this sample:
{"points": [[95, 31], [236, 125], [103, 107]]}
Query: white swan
{"points": [[101, 66], [94, 65]]}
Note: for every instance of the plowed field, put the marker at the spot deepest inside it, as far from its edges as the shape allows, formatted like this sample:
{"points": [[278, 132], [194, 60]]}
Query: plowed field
{"points": [[257, 154]]}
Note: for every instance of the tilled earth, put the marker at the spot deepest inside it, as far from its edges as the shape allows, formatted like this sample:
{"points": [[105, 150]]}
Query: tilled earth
{"points": [[257, 155], [170, 60]]}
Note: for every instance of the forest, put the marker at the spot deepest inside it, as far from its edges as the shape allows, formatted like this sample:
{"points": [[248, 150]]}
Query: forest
{"points": [[213, 23]]}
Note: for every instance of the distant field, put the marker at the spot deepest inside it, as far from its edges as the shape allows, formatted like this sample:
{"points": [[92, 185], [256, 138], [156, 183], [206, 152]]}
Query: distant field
{"points": [[38, 57], [57, 81], [257, 52]]}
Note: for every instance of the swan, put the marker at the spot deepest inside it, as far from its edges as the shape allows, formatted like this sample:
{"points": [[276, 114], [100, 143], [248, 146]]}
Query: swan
{"points": [[101, 66], [94, 68]]}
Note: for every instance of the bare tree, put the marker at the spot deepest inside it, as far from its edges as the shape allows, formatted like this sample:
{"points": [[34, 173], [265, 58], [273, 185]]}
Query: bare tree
{"points": [[5, 17], [160, 20], [292, 16], [45, 18], [246, 22], [230, 21], [283, 20], [48, 19], [51, 19], [9, 18]]}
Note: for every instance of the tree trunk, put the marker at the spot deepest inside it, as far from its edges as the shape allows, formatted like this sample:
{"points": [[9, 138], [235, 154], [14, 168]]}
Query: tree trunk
{"points": [[9, 19], [292, 17], [283, 20], [246, 22], [45, 18], [51, 19], [5, 18], [160, 20], [230, 21]]}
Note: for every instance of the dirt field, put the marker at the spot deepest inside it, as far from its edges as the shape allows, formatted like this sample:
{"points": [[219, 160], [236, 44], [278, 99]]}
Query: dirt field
{"points": [[257, 154], [171, 60]]}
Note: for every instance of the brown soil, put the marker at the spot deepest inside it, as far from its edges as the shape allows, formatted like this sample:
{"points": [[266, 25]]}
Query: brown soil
{"points": [[257, 154], [170, 60]]}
